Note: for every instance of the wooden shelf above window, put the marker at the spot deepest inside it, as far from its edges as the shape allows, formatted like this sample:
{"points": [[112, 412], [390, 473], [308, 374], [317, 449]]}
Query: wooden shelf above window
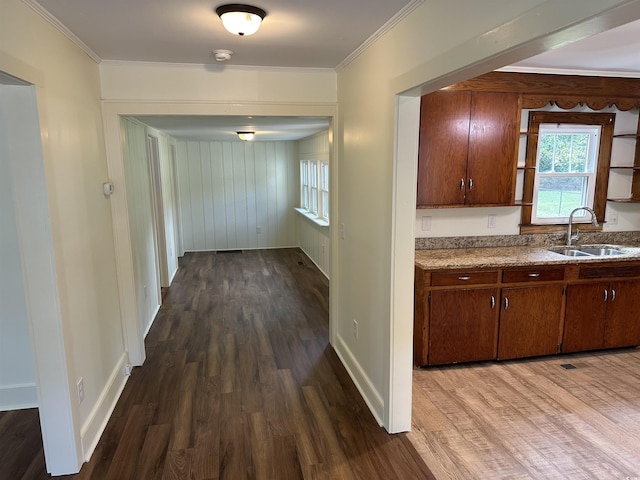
{"points": [[627, 135], [624, 200]]}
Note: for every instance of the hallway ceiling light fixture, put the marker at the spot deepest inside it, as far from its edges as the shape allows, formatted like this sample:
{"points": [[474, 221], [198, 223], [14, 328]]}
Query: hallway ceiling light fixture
{"points": [[241, 19], [246, 135]]}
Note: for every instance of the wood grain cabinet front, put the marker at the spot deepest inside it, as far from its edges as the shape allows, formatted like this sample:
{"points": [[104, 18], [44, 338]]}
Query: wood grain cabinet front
{"points": [[530, 321], [602, 315], [468, 148], [463, 326]]}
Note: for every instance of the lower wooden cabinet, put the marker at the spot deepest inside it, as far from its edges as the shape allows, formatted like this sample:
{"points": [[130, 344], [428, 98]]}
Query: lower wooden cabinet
{"points": [[464, 325], [602, 315], [530, 321], [487, 314]]}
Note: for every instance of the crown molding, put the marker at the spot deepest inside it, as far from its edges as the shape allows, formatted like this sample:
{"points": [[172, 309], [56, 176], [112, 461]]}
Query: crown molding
{"points": [[392, 22], [217, 67], [47, 16]]}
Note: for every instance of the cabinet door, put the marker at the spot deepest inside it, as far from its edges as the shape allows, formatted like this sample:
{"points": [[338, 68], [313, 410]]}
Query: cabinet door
{"points": [[530, 320], [622, 327], [463, 325], [585, 317], [442, 155], [492, 156]]}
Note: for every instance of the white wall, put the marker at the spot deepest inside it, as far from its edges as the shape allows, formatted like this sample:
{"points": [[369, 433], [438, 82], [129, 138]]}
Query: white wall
{"points": [[434, 45], [17, 374], [133, 81], [132, 89], [169, 199], [68, 103], [447, 222], [231, 190], [314, 238], [143, 234]]}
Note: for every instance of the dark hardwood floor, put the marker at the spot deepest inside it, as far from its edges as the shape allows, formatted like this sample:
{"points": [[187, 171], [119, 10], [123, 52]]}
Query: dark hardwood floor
{"points": [[240, 383]]}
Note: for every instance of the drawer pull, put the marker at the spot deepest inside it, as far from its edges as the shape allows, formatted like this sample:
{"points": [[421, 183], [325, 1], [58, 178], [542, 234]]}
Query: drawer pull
{"points": [[506, 302], [493, 302], [466, 277], [534, 274]]}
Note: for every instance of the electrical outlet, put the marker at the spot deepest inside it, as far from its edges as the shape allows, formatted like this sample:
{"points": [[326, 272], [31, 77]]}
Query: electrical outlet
{"points": [[491, 221], [80, 389], [426, 224], [612, 218], [355, 329], [127, 369]]}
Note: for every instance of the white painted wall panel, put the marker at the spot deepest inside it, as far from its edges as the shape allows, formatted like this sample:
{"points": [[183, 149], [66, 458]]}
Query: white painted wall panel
{"points": [[229, 189], [169, 202], [314, 238], [16, 355], [141, 222]]}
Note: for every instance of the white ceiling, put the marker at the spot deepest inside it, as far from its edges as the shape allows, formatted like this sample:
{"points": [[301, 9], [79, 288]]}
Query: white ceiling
{"points": [[224, 128], [295, 33], [614, 51]]}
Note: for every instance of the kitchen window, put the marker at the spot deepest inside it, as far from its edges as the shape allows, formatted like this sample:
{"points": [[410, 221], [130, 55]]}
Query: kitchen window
{"points": [[567, 166]]}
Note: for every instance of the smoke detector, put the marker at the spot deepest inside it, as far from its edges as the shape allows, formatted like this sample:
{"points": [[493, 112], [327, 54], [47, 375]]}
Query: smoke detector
{"points": [[222, 55]]}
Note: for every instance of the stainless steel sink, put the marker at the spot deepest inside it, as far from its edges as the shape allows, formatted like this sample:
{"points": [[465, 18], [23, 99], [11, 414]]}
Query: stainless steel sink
{"points": [[588, 251], [570, 252], [601, 251]]}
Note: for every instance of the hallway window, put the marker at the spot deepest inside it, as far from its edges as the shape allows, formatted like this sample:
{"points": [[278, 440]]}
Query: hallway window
{"points": [[314, 188]]}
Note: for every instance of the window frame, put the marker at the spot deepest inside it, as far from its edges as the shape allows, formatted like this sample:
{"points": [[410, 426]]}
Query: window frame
{"points": [[536, 118], [591, 173], [314, 197]]}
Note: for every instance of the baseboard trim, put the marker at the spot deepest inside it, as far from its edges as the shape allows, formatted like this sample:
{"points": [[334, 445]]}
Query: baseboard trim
{"points": [[315, 263], [97, 421], [369, 393], [18, 397]]}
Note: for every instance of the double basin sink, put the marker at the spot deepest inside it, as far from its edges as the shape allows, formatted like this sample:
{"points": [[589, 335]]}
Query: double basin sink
{"points": [[588, 251]]}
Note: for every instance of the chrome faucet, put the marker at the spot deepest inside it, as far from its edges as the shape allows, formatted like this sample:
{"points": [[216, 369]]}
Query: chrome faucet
{"points": [[570, 236]]}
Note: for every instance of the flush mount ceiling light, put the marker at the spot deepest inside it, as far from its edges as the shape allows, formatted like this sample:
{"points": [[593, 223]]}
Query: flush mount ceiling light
{"points": [[241, 19], [246, 135]]}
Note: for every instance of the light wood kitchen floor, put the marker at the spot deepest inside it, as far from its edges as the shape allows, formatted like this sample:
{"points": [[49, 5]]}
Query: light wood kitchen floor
{"points": [[531, 419]]}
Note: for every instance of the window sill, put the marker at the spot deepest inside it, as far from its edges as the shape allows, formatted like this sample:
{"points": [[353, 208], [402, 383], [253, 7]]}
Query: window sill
{"points": [[314, 218]]}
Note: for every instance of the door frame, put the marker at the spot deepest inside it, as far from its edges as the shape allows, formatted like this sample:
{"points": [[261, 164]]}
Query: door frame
{"points": [[112, 112]]}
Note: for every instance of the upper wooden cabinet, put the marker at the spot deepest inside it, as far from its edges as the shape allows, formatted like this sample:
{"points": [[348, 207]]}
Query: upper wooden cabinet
{"points": [[468, 148]]}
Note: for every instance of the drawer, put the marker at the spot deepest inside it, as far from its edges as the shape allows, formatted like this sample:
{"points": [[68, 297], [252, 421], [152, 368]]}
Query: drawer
{"points": [[463, 278], [610, 271], [532, 274]]}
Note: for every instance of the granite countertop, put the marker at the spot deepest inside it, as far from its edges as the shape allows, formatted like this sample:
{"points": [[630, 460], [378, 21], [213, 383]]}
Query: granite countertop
{"points": [[455, 258]]}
